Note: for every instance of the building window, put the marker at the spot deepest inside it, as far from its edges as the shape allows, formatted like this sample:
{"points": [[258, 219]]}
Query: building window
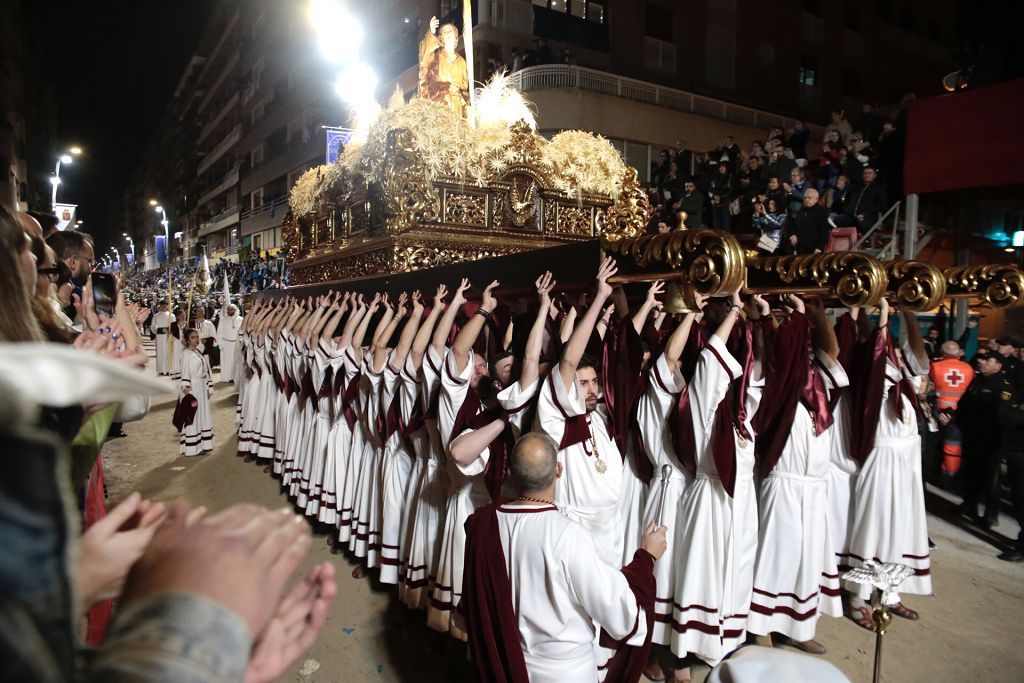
{"points": [[256, 157], [851, 83], [578, 8], [595, 12], [813, 7], [659, 54], [256, 244], [808, 71], [720, 55], [853, 18], [450, 7], [256, 199], [258, 111], [658, 22], [257, 74]]}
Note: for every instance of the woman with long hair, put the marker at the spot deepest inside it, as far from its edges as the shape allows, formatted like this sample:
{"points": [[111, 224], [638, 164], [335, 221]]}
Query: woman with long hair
{"points": [[47, 309], [17, 282], [197, 380]]}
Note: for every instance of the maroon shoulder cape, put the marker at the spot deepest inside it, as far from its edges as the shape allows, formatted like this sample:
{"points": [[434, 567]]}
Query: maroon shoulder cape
{"points": [[622, 376], [493, 626], [866, 410], [789, 379], [486, 603]]}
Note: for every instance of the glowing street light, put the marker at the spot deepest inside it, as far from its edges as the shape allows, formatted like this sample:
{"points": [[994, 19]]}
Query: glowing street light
{"points": [[167, 230], [65, 158]]}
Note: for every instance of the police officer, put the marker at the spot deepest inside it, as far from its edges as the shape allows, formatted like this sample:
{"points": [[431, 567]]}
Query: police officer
{"points": [[977, 416], [1011, 418]]}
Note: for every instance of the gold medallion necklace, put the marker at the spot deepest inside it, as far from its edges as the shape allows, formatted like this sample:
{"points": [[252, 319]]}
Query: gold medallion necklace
{"points": [[599, 464]]}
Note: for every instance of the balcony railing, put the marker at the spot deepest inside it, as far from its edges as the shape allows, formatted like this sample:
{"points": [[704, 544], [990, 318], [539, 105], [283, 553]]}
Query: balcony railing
{"points": [[565, 76], [220, 150], [515, 16], [220, 221], [272, 206]]}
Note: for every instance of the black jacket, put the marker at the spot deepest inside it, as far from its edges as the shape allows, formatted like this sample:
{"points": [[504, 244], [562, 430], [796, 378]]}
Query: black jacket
{"points": [[694, 208], [977, 412], [810, 225], [867, 200]]}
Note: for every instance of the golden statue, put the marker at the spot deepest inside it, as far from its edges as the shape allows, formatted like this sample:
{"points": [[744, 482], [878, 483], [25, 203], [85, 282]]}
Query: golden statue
{"points": [[444, 77]]}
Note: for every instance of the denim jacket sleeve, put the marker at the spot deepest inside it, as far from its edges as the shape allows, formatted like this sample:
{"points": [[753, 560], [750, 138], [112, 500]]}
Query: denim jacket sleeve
{"points": [[173, 637]]}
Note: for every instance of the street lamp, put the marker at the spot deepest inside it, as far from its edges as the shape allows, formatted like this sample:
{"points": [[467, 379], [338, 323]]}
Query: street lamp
{"points": [[167, 230], [131, 243], [65, 158]]}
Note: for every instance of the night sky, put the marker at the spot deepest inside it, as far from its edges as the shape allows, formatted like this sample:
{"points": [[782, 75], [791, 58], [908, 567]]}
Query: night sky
{"points": [[114, 67]]}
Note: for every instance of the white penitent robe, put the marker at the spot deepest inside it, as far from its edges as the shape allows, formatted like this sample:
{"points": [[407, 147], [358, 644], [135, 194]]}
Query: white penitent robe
{"points": [[888, 522], [716, 533], [396, 470], [795, 577], [561, 588], [432, 493], [227, 335], [197, 438], [466, 494], [206, 329], [653, 415], [586, 494], [158, 326]]}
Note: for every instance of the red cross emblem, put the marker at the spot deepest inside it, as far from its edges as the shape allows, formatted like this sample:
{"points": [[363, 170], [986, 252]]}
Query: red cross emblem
{"points": [[954, 378]]}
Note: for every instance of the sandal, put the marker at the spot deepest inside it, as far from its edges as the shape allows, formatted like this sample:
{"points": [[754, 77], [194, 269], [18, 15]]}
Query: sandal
{"points": [[862, 616], [905, 612]]}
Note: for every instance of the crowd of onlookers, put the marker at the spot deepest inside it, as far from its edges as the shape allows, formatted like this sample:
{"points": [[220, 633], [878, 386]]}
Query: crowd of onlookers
{"points": [[786, 190], [255, 274], [161, 591]]}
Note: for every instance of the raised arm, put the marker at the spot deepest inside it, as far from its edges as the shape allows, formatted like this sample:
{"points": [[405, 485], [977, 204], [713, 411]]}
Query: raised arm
{"points": [[385, 328], [360, 333], [422, 339], [444, 327], [385, 320], [824, 334], [358, 311], [677, 340], [650, 301], [338, 309], [725, 327], [531, 357], [408, 332], [467, 336], [568, 323], [914, 338], [577, 344]]}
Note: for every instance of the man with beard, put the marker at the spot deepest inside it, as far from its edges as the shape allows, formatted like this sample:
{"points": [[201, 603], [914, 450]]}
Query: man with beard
{"points": [[569, 413], [76, 250]]}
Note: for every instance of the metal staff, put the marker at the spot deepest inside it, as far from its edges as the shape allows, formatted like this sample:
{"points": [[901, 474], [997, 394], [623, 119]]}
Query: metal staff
{"points": [[666, 472], [170, 312]]}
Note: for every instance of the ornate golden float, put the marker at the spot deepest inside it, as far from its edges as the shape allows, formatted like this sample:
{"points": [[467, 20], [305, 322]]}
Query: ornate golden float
{"points": [[425, 190]]}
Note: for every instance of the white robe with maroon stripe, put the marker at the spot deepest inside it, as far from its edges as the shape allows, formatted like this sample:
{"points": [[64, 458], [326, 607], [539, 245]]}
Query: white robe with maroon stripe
{"points": [[196, 376], [396, 470], [347, 468], [586, 495], [653, 415], [795, 577], [466, 494], [715, 533], [888, 522], [561, 588], [431, 497]]}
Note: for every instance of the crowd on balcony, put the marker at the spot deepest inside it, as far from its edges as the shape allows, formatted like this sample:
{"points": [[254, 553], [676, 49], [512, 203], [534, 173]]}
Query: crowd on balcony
{"points": [[785, 190]]}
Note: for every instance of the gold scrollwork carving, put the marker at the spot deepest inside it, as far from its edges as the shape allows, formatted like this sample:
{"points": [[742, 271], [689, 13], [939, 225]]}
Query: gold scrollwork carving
{"points": [[710, 261], [574, 220], [409, 195], [854, 278], [914, 285], [627, 217], [466, 209], [1000, 285]]}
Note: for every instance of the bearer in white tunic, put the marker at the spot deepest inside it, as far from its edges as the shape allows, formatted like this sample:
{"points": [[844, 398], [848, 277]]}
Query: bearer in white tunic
{"points": [[159, 326], [654, 413], [888, 523], [561, 590], [569, 413], [795, 577], [716, 527]]}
